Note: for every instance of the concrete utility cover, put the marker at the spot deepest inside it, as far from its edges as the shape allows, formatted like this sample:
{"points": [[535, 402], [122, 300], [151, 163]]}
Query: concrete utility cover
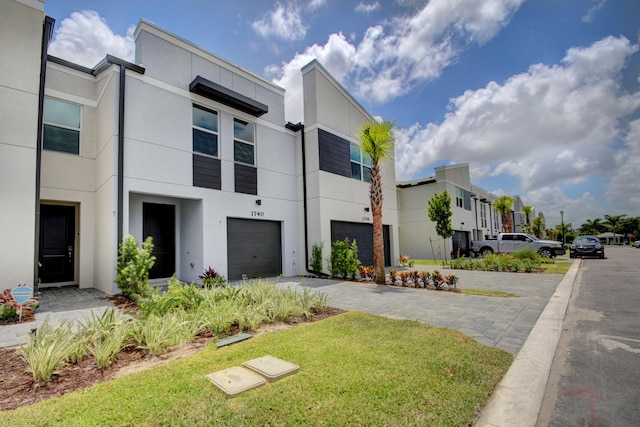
{"points": [[235, 380], [271, 367]]}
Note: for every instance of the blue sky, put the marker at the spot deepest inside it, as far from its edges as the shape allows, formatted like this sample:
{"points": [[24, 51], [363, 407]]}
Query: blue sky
{"points": [[540, 97]]}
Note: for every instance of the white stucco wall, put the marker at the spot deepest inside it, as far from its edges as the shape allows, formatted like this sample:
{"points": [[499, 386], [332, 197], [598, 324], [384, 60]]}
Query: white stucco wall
{"points": [[21, 32]]}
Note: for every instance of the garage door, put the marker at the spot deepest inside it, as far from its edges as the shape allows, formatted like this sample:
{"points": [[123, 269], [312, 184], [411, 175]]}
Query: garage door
{"points": [[363, 233], [254, 248]]}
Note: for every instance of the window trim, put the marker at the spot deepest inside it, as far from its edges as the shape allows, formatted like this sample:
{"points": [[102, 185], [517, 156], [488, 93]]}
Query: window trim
{"points": [[60, 126], [243, 141], [205, 130], [459, 197]]}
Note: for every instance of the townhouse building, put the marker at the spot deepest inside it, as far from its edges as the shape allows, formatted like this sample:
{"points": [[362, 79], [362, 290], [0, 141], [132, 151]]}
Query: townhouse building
{"points": [[180, 145], [474, 216]]}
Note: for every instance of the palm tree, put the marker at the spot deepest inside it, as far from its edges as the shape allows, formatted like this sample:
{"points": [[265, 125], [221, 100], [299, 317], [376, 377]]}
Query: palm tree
{"points": [[503, 205], [527, 210], [377, 141], [538, 225], [592, 227], [613, 223]]}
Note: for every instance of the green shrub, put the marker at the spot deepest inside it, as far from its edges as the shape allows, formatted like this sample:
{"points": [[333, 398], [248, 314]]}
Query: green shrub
{"points": [[211, 278], [344, 260], [106, 348], [316, 257], [157, 333], [46, 350], [527, 253], [134, 263]]}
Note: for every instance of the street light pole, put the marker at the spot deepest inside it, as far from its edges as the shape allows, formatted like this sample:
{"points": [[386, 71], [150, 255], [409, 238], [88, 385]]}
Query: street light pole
{"points": [[562, 220]]}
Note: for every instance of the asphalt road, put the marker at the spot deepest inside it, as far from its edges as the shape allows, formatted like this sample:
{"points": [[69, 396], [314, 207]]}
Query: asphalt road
{"points": [[595, 377]]}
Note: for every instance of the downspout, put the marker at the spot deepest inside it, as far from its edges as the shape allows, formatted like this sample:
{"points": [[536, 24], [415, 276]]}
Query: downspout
{"points": [[296, 128], [47, 31], [123, 71], [475, 211]]}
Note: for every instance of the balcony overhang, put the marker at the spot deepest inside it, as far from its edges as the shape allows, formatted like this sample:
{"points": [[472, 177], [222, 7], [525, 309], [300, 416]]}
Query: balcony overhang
{"points": [[226, 96]]}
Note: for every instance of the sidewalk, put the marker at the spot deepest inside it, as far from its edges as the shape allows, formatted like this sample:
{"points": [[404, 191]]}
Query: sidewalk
{"points": [[56, 304]]}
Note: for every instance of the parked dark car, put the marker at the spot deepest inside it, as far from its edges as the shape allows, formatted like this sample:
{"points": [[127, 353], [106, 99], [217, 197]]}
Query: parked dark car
{"points": [[586, 246]]}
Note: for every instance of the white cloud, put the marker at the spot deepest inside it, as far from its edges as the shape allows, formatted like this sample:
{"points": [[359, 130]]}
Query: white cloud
{"points": [[316, 4], [85, 38], [367, 8], [591, 14], [283, 22], [392, 58], [624, 188], [550, 124]]}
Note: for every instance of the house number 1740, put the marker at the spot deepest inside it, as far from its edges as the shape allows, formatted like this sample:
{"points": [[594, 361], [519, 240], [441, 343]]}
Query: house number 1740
{"points": [[257, 213]]}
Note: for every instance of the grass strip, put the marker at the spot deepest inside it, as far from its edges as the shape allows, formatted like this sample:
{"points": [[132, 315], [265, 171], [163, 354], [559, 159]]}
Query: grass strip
{"points": [[487, 293], [355, 369]]}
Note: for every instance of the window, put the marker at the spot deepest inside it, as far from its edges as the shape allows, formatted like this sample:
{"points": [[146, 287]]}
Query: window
{"points": [[61, 126], [483, 215], [360, 164], [244, 142], [205, 131], [459, 197]]}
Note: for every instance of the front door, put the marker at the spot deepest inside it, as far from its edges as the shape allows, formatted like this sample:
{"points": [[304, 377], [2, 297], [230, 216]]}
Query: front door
{"points": [[57, 243], [159, 223]]}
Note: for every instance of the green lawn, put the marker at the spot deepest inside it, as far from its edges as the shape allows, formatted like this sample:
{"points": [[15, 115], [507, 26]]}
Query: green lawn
{"points": [[355, 369]]}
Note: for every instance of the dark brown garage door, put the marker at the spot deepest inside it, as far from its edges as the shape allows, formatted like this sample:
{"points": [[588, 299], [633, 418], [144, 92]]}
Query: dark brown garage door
{"points": [[363, 233], [254, 248]]}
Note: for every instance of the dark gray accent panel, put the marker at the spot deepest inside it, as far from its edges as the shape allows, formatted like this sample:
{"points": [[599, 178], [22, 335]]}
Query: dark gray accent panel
{"points": [[206, 172], [246, 179], [334, 154], [460, 240], [466, 199], [226, 96], [254, 248], [363, 233]]}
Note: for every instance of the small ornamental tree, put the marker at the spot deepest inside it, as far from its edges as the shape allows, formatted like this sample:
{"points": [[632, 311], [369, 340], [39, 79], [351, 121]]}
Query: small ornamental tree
{"points": [[440, 213], [134, 263]]}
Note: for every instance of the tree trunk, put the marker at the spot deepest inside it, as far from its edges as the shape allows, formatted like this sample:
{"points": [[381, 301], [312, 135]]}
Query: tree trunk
{"points": [[375, 196]]}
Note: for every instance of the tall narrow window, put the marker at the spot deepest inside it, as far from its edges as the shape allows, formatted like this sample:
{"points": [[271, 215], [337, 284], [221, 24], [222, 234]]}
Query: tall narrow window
{"points": [[483, 215], [205, 131], [61, 126], [360, 164], [244, 142], [459, 194]]}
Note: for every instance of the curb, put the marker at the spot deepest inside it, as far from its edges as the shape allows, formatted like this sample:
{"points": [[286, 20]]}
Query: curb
{"points": [[518, 397]]}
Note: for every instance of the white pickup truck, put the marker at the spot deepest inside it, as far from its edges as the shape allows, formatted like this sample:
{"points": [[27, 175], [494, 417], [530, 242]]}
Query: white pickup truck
{"points": [[511, 242]]}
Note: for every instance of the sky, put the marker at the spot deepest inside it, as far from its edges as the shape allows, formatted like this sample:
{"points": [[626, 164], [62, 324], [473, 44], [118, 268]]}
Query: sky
{"points": [[540, 97]]}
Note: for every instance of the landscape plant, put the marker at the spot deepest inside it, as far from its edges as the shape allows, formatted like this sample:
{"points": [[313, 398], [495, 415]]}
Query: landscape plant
{"points": [[377, 142], [344, 260], [439, 211], [134, 264], [10, 308], [316, 257], [210, 278], [47, 349]]}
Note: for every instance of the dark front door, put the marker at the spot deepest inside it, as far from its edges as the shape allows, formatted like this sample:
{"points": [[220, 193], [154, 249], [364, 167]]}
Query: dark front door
{"points": [[57, 243], [254, 248], [159, 223], [460, 244], [363, 235]]}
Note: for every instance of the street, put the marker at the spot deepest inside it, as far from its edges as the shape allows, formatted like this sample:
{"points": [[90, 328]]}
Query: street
{"points": [[595, 375]]}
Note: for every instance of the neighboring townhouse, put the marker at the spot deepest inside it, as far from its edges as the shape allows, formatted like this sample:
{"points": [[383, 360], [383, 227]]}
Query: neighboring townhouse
{"points": [[338, 172], [473, 214], [182, 146], [519, 218]]}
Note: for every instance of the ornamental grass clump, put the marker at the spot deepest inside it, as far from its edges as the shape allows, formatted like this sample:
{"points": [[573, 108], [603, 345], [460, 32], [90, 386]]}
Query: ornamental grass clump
{"points": [[156, 334], [46, 350], [105, 349]]}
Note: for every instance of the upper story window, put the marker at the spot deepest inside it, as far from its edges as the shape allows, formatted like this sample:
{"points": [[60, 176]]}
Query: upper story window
{"points": [[61, 126], [360, 164], [205, 131], [244, 142], [459, 194], [483, 215]]}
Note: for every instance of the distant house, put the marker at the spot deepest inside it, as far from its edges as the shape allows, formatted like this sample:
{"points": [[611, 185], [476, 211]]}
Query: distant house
{"points": [[474, 216], [180, 145]]}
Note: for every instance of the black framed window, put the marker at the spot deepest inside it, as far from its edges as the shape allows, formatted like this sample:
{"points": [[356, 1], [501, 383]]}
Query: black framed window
{"points": [[61, 131], [360, 164], [459, 194], [205, 131], [244, 146]]}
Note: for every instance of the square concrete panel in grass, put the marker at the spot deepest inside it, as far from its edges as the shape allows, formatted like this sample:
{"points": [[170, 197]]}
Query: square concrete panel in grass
{"points": [[271, 367], [235, 380]]}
